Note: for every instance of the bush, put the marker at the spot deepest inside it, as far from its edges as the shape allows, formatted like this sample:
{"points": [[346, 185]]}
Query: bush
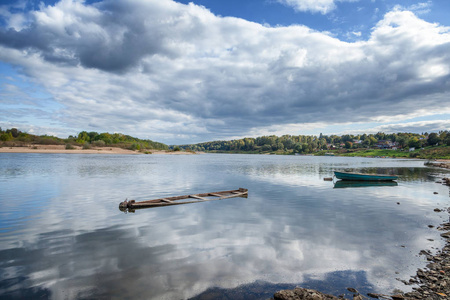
{"points": [[414, 154], [6, 137], [99, 143], [135, 146], [69, 147], [86, 146], [48, 140]]}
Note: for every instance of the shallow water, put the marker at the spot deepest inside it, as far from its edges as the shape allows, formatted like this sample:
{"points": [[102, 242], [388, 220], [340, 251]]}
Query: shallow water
{"points": [[62, 235]]}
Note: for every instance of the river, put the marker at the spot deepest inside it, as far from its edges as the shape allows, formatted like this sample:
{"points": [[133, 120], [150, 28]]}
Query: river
{"points": [[62, 235]]}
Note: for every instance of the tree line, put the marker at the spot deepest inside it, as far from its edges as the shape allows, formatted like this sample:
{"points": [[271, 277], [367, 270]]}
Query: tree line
{"points": [[309, 144], [84, 139], [303, 144]]}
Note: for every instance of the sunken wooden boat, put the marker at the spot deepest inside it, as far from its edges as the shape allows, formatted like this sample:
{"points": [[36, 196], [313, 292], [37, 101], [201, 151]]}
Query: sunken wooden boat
{"points": [[364, 177], [177, 200]]}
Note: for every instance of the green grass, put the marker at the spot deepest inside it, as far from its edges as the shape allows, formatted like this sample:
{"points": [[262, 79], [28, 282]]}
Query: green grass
{"points": [[377, 152], [440, 152]]}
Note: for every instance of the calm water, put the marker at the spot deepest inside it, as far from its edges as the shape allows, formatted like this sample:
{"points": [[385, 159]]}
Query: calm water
{"points": [[62, 235]]}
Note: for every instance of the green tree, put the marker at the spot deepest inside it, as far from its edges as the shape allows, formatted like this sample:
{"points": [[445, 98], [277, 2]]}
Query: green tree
{"points": [[414, 142], [266, 148], [6, 136], [380, 136], [15, 132], [93, 136], [372, 140], [298, 148], [446, 141], [433, 139], [106, 137], [83, 137], [402, 141], [280, 146], [288, 143]]}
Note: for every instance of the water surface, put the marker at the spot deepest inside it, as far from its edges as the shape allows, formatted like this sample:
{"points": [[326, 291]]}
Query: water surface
{"points": [[62, 235]]}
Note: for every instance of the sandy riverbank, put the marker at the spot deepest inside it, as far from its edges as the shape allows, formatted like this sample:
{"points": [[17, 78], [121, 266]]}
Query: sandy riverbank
{"points": [[80, 150]]}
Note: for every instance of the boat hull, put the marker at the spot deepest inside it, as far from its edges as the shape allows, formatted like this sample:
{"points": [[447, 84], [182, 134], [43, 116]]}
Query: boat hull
{"points": [[364, 177]]}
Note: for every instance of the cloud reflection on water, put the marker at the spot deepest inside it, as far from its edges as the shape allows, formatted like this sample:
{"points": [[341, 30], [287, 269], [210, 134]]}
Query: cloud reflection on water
{"points": [[284, 233]]}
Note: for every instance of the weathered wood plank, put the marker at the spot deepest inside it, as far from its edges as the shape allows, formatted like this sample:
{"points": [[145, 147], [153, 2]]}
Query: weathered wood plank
{"points": [[132, 204], [197, 197], [216, 195]]}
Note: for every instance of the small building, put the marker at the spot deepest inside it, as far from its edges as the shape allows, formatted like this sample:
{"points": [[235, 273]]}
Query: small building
{"points": [[384, 144]]}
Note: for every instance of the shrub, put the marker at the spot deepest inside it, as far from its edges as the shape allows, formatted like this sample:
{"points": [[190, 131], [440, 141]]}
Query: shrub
{"points": [[48, 140], [86, 145], [99, 143], [135, 146], [69, 147], [414, 154], [6, 137]]}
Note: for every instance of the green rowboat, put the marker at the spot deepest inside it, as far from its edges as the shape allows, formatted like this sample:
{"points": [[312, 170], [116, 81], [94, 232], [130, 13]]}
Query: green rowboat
{"points": [[364, 177]]}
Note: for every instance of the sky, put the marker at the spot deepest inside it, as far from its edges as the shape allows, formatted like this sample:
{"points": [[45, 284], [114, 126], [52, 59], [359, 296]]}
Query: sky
{"points": [[182, 72]]}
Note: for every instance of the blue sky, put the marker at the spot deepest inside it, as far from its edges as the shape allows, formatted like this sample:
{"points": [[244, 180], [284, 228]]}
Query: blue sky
{"points": [[193, 71]]}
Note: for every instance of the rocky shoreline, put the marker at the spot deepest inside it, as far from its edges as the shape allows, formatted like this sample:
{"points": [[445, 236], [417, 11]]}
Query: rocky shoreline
{"points": [[439, 164], [431, 283]]}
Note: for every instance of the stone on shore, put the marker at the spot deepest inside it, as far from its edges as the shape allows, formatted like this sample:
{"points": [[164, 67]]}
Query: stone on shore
{"points": [[302, 294]]}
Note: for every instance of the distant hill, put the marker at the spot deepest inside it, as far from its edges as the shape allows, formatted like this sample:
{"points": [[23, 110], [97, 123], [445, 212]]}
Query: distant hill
{"points": [[14, 137]]}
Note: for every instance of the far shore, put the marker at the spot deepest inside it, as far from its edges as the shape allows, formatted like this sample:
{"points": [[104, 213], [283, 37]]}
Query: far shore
{"points": [[80, 150]]}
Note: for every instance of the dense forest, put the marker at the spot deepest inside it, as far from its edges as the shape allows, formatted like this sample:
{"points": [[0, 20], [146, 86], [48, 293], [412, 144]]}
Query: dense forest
{"points": [[305, 144], [14, 137]]}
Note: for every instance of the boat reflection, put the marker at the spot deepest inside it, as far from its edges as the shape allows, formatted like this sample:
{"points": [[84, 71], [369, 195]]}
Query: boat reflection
{"points": [[354, 184]]}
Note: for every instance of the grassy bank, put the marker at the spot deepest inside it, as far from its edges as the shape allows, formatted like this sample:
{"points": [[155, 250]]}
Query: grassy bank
{"points": [[436, 152]]}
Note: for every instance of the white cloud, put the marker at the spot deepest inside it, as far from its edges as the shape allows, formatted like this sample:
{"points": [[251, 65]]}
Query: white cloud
{"points": [[416, 126], [177, 73], [419, 8], [13, 19], [314, 6]]}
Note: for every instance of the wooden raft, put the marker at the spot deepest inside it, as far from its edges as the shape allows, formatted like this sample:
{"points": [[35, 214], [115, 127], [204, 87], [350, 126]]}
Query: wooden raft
{"points": [[132, 204]]}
